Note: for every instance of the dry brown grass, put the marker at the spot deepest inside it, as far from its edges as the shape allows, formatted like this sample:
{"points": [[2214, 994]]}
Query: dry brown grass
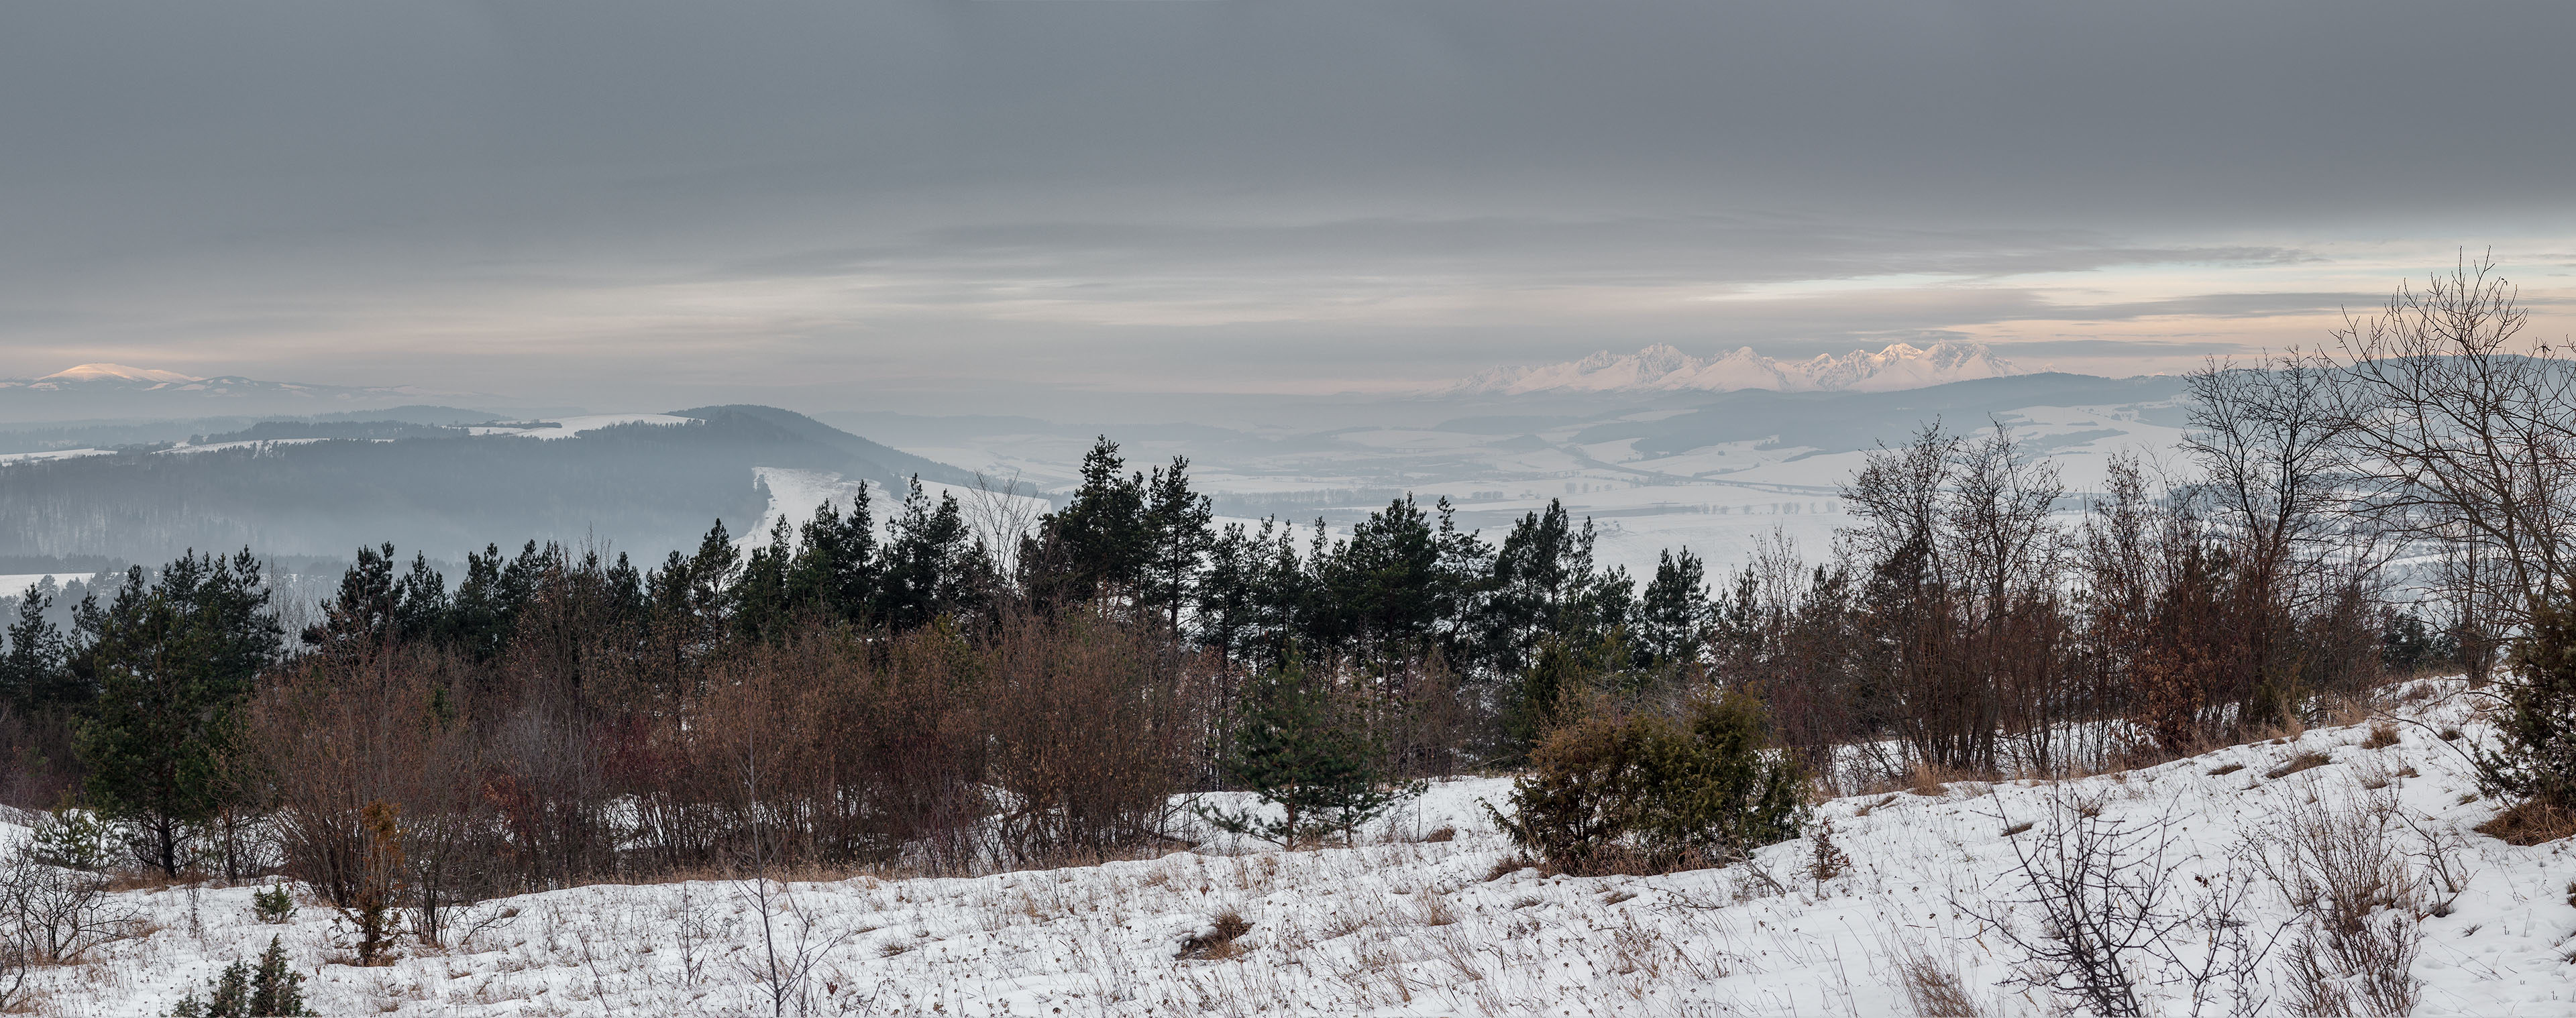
{"points": [[1932, 987], [2220, 772], [1506, 866], [2301, 762], [2531, 823], [2383, 734], [1218, 941]]}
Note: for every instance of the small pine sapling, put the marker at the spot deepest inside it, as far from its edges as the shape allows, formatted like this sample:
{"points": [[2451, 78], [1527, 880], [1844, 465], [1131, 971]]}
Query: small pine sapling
{"points": [[271, 990], [273, 905], [72, 839], [1826, 860], [227, 996], [276, 990], [1295, 752]]}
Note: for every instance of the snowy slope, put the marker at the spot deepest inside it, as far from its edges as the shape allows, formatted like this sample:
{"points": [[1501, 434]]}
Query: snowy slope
{"points": [[1406, 926]]}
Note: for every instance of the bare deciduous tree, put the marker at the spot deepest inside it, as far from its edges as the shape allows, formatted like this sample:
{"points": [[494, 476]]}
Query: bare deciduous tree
{"points": [[2469, 433]]}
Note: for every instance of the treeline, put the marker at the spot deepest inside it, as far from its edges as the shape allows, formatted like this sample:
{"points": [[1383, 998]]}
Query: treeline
{"points": [[963, 687]]}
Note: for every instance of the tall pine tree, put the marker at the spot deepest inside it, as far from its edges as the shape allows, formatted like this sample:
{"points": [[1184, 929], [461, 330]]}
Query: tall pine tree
{"points": [[174, 659]]}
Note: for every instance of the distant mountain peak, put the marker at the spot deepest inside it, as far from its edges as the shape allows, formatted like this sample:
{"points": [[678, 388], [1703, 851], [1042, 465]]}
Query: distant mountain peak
{"points": [[116, 372], [1662, 368]]}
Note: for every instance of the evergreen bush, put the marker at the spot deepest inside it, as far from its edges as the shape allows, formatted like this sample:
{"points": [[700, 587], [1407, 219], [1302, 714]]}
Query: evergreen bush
{"points": [[1608, 793], [2537, 758]]}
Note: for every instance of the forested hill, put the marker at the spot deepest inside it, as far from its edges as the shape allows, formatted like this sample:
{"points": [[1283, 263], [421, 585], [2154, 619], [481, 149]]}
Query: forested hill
{"points": [[645, 487], [870, 459]]}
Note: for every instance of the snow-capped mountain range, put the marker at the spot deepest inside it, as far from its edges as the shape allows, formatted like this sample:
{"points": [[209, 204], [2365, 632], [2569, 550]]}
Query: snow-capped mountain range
{"points": [[119, 377], [1661, 368]]}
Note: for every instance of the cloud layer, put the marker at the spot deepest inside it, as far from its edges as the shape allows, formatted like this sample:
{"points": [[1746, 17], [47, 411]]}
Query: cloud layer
{"points": [[646, 196]]}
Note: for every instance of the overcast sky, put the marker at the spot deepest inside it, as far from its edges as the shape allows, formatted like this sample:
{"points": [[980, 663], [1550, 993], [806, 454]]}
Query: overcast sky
{"points": [[645, 199]]}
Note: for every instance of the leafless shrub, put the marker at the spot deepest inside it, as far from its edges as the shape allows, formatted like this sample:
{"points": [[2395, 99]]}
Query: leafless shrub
{"points": [[1087, 720], [2100, 893], [792, 946], [2341, 867], [1002, 517], [1825, 860], [2232, 946], [52, 916], [377, 803]]}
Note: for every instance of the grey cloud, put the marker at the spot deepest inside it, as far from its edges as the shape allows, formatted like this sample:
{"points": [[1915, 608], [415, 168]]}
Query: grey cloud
{"points": [[2217, 305], [314, 179], [1738, 249]]}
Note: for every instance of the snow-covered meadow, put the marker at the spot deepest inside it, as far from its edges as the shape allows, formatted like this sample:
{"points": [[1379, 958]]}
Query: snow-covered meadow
{"points": [[1421, 920]]}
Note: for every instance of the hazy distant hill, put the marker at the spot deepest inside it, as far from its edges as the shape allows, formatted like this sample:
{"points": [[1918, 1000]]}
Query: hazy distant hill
{"points": [[92, 392], [646, 487]]}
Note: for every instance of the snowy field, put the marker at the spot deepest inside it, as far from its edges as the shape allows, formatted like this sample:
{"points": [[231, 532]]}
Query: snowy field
{"points": [[1410, 925]]}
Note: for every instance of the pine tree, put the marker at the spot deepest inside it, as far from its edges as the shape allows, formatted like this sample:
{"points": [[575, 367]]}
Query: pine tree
{"points": [[276, 991], [174, 660], [1383, 581], [836, 561], [761, 604], [1101, 543], [1176, 521], [1297, 752], [934, 566], [1673, 616], [229, 994], [2537, 759], [35, 675]]}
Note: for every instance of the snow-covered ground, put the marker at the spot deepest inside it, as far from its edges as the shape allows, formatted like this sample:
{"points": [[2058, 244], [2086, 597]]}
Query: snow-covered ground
{"points": [[54, 454], [1410, 926], [567, 427], [256, 444]]}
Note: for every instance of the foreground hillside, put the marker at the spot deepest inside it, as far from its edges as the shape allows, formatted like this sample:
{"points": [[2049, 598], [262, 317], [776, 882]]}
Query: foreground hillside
{"points": [[1425, 922]]}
